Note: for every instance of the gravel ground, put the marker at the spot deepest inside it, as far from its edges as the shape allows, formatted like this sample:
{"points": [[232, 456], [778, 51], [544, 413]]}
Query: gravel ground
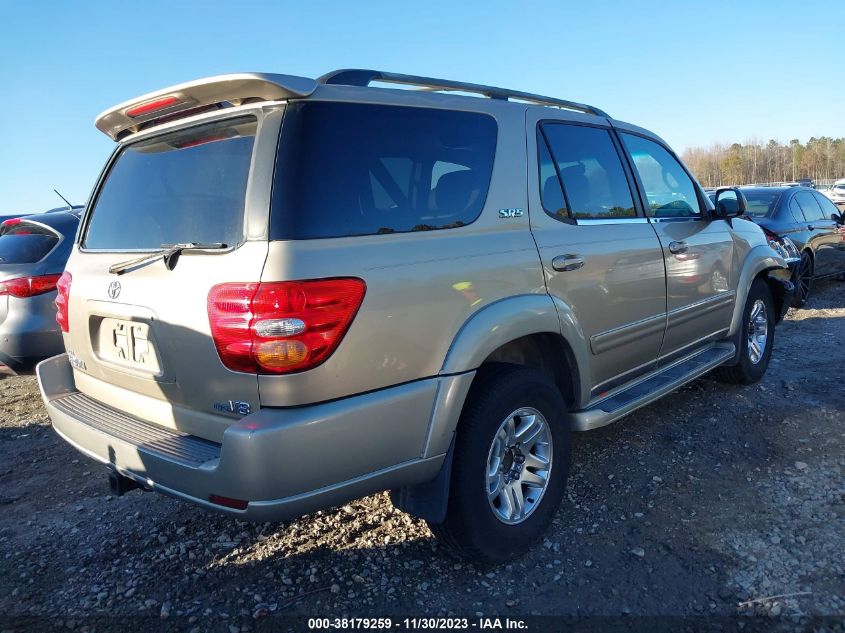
{"points": [[717, 501]]}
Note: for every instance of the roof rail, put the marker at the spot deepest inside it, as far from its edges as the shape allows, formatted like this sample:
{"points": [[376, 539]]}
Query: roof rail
{"points": [[363, 77]]}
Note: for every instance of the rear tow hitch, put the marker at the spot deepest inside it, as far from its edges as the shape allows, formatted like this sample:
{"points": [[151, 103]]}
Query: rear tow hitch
{"points": [[120, 485]]}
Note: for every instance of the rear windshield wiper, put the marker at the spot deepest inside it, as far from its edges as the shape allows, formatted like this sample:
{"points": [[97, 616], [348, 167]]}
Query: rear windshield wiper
{"points": [[169, 253]]}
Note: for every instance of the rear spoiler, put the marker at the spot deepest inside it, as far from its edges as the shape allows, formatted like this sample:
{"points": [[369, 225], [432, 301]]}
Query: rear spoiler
{"points": [[198, 96]]}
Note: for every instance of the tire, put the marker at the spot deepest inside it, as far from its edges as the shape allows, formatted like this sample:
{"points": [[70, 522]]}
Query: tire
{"points": [[474, 528], [748, 370], [803, 280]]}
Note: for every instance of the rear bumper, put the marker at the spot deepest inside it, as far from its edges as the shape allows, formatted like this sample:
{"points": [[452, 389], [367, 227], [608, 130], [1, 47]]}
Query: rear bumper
{"points": [[284, 462], [22, 351]]}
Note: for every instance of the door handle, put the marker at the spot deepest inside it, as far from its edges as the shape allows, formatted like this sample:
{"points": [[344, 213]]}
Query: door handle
{"points": [[678, 247], [810, 227], [563, 263]]}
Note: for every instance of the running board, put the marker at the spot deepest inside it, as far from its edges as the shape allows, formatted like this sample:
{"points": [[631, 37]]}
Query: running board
{"points": [[611, 407]]}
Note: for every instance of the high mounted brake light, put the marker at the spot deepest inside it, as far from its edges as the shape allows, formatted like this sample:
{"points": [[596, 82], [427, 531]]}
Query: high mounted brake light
{"points": [[153, 106], [281, 327], [10, 222], [198, 96]]}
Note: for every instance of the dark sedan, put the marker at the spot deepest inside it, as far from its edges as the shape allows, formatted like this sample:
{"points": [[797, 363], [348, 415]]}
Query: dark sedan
{"points": [[33, 253], [811, 221]]}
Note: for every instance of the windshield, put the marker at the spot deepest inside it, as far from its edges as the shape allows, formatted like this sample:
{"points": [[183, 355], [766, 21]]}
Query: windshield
{"points": [[761, 204], [186, 186]]}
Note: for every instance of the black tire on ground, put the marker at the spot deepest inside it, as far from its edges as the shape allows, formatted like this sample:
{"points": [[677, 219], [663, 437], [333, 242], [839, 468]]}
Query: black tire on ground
{"points": [[471, 529], [803, 280], [747, 372]]}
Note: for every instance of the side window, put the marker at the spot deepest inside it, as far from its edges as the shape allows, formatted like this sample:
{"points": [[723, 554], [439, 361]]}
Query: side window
{"points": [[795, 210], [551, 194], [828, 208], [589, 166], [670, 191], [363, 169], [812, 211]]}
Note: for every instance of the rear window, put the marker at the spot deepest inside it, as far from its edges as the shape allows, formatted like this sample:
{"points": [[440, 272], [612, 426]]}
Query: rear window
{"points": [[186, 186], [26, 244], [761, 204], [360, 169]]}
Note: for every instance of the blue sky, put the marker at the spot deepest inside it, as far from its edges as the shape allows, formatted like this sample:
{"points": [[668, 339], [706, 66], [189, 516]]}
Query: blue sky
{"points": [[694, 72]]}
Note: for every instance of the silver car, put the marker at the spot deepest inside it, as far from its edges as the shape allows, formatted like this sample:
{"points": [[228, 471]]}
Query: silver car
{"points": [[287, 293], [33, 253]]}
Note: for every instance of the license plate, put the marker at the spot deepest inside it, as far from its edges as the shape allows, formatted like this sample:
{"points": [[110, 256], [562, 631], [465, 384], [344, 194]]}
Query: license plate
{"points": [[127, 343]]}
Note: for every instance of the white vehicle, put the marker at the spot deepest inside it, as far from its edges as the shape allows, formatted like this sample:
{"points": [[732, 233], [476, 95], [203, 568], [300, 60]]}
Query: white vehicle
{"points": [[837, 193]]}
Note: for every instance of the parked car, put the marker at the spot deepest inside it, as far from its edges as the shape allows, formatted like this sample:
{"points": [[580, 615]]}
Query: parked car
{"points": [[813, 224], [784, 246], [33, 252], [837, 194], [333, 289]]}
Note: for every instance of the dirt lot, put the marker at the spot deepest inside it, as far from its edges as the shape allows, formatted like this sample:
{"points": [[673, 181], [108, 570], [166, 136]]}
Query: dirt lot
{"points": [[708, 503]]}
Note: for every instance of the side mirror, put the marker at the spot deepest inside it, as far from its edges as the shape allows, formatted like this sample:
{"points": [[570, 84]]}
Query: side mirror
{"points": [[836, 217], [730, 203]]}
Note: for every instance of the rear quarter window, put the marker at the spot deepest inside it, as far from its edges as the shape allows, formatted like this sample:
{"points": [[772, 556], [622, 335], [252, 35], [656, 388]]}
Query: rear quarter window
{"points": [[362, 169]]}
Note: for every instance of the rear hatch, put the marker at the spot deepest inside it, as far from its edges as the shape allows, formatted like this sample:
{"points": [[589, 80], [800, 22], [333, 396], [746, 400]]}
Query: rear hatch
{"points": [[139, 335], [24, 273]]}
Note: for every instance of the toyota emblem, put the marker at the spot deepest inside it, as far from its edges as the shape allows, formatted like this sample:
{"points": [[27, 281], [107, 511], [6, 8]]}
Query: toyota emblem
{"points": [[114, 289]]}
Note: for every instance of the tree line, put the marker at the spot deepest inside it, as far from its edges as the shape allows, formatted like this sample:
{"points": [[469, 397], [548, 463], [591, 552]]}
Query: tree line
{"points": [[753, 162]]}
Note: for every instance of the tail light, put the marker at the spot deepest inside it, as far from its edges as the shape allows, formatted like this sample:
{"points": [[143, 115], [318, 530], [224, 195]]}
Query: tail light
{"points": [[281, 327], [62, 298], [24, 287]]}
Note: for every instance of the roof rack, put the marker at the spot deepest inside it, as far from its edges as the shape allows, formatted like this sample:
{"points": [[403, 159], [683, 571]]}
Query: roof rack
{"points": [[363, 77]]}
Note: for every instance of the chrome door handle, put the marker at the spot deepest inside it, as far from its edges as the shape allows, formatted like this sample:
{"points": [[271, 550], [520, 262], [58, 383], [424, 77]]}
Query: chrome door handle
{"points": [[563, 263], [678, 247]]}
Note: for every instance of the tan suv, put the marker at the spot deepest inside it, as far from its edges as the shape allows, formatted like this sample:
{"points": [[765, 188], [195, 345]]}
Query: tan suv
{"points": [[287, 293]]}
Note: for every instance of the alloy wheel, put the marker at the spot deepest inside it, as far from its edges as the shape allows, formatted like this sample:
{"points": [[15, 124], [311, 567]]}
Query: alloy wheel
{"points": [[518, 465], [758, 331]]}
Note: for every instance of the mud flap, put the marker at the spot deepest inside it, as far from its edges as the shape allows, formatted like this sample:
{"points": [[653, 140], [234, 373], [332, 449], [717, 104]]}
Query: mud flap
{"points": [[780, 283], [428, 500]]}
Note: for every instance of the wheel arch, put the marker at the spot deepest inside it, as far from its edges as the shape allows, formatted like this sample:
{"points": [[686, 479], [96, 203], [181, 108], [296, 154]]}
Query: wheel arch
{"points": [[509, 331], [761, 262], [523, 330]]}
